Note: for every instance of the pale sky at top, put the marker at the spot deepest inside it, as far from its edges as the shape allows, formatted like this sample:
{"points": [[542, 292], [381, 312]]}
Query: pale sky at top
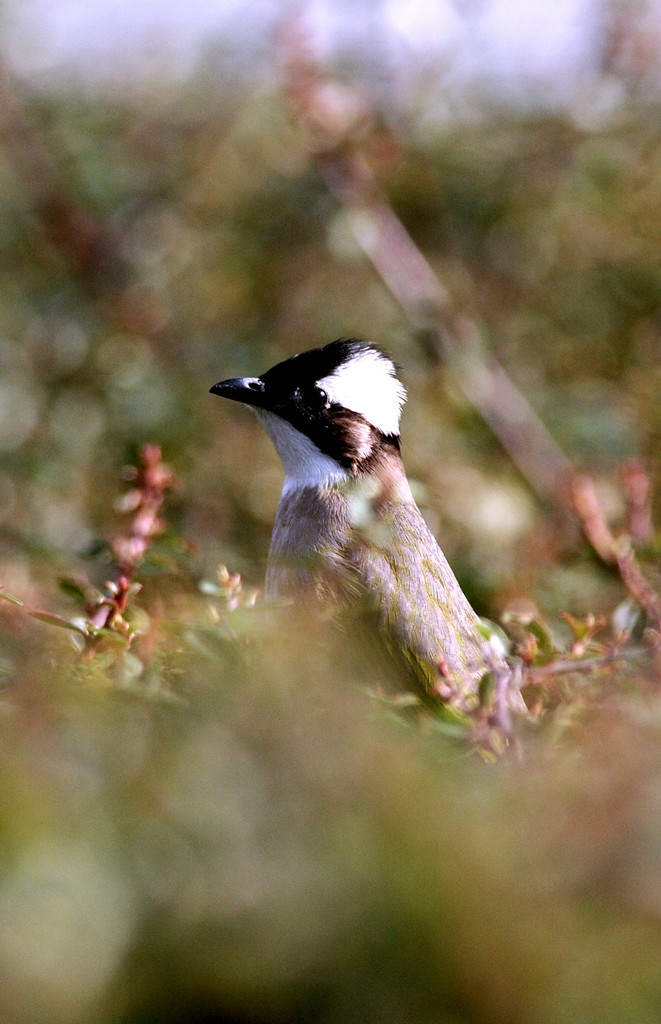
{"points": [[505, 39]]}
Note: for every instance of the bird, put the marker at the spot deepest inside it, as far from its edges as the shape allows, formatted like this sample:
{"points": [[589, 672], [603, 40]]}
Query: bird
{"points": [[347, 529]]}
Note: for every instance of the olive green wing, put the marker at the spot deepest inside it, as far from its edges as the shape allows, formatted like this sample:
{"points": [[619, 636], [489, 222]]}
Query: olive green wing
{"points": [[420, 606]]}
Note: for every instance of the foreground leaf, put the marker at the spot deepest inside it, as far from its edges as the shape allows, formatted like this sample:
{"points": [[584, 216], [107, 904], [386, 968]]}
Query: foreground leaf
{"points": [[58, 620]]}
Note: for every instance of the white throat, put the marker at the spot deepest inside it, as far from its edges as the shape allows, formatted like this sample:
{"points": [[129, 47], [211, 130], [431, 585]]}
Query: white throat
{"points": [[304, 464]]}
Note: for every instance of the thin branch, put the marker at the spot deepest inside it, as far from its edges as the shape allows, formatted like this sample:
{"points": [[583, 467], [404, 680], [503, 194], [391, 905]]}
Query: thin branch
{"points": [[540, 673], [614, 550], [638, 490], [591, 517], [636, 583], [333, 123]]}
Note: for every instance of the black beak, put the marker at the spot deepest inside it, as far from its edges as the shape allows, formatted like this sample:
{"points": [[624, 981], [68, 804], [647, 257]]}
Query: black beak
{"points": [[249, 390]]}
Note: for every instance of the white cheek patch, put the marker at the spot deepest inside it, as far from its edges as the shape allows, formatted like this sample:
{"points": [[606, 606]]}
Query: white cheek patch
{"points": [[367, 385], [304, 464]]}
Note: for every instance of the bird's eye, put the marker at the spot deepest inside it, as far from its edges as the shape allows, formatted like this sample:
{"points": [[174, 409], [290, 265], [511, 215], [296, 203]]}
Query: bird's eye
{"points": [[317, 398], [310, 397]]}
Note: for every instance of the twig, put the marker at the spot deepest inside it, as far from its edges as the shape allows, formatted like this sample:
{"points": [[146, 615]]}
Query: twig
{"points": [[614, 550], [636, 583], [538, 675], [638, 490], [591, 518], [151, 480]]}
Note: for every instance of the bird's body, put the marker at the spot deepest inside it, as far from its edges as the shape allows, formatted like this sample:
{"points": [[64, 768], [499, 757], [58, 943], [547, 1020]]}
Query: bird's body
{"points": [[347, 529]]}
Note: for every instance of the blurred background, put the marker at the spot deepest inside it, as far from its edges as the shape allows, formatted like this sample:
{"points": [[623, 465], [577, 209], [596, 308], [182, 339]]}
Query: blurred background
{"points": [[220, 829]]}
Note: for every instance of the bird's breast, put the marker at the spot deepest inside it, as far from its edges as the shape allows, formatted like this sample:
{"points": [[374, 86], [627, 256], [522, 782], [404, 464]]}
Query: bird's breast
{"points": [[307, 557]]}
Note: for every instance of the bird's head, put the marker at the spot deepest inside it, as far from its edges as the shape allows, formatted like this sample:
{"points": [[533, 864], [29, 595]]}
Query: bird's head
{"points": [[331, 412]]}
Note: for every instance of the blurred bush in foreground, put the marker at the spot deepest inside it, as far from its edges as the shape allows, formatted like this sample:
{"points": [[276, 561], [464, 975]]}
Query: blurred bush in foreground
{"points": [[238, 833]]}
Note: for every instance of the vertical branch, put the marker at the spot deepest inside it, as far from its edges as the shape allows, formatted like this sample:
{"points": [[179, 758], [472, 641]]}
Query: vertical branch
{"points": [[638, 491], [612, 550], [333, 122], [151, 480]]}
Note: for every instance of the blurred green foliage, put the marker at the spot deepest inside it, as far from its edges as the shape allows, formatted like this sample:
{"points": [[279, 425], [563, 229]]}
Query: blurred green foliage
{"points": [[220, 825]]}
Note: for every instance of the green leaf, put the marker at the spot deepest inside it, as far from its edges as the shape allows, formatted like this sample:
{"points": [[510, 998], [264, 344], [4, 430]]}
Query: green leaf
{"points": [[452, 729], [130, 667], [579, 627], [494, 635], [211, 589], [543, 637], [72, 589], [58, 620], [9, 597], [485, 688], [401, 701], [628, 617], [107, 634], [545, 646]]}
